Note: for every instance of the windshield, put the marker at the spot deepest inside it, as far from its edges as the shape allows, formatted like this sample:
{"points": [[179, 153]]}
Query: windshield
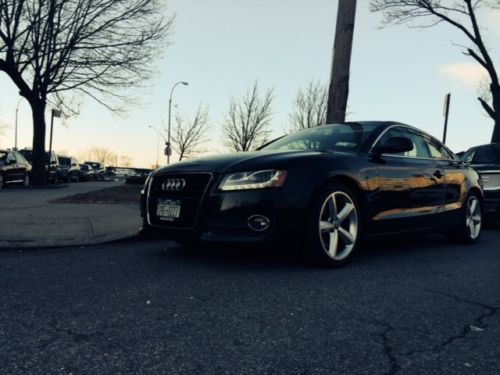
{"points": [[64, 161], [340, 137]]}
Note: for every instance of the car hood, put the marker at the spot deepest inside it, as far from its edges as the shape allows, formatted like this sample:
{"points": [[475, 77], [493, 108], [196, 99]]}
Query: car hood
{"points": [[240, 161]]}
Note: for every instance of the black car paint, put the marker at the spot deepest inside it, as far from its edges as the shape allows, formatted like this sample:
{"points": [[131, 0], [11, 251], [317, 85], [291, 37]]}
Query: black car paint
{"points": [[396, 194]]}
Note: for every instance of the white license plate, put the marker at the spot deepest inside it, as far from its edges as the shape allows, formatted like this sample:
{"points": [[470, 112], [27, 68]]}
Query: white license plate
{"points": [[168, 209]]}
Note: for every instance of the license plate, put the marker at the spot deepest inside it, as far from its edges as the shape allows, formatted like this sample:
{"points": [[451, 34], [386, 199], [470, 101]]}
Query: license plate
{"points": [[168, 209]]}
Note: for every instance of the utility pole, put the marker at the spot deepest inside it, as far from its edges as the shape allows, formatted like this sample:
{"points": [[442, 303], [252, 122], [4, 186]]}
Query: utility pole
{"points": [[446, 112], [341, 61]]}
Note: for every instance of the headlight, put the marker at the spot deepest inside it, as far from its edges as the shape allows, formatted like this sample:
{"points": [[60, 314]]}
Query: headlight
{"points": [[253, 180]]}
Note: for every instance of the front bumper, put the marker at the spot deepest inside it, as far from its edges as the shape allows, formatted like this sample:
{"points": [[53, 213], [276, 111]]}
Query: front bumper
{"points": [[224, 216]]}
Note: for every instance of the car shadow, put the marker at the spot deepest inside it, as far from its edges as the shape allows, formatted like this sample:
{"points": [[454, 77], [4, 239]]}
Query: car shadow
{"points": [[244, 257]]}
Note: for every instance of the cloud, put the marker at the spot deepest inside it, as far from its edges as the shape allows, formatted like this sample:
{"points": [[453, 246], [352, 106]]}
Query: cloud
{"points": [[469, 74]]}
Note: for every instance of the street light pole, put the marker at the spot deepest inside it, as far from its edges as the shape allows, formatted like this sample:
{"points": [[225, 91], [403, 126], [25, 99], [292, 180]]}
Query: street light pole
{"points": [[15, 130], [169, 148], [157, 143]]}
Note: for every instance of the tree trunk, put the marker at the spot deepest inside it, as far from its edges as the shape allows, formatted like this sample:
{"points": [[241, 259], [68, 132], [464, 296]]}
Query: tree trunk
{"points": [[38, 173], [342, 47], [496, 107]]}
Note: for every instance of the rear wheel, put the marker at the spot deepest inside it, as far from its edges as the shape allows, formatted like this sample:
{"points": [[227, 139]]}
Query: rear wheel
{"points": [[471, 221], [26, 180], [334, 231], [2, 180]]}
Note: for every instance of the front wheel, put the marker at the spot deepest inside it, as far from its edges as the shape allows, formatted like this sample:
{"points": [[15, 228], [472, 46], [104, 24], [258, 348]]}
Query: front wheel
{"points": [[1, 180], [471, 221], [334, 227], [26, 179]]}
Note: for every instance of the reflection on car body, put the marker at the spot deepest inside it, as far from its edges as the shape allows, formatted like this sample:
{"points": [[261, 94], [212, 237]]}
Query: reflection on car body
{"points": [[325, 187], [14, 168]]}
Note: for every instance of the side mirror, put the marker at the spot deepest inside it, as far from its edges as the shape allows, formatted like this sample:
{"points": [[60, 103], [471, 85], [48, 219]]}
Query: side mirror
{"points": [[395, 145]]}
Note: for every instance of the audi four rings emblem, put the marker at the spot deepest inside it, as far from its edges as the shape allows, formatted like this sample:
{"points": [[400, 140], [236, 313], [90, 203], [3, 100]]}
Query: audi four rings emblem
{"points": [[173, 184]]}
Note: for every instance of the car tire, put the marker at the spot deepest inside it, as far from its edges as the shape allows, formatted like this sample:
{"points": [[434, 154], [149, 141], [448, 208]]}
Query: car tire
{"points": [[469, 228], [334, 229], [26, 181], [2, 180]]}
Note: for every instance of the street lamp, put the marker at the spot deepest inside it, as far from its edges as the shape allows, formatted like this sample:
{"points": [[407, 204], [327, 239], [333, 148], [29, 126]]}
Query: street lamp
{"points": [[157, 142], [169, 148], [15, 129]]}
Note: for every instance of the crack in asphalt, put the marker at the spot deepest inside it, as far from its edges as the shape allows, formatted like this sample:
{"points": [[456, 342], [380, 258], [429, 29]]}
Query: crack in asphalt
{"points": [[466, 329], [388, 349], [392, 355]]}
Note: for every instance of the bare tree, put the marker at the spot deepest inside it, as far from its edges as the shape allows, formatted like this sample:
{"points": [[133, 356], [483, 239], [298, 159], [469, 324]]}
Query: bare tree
{"points": [[188, 135], [52, 49], [101, 155], [309, 107], [461, 15], [247, 121], [125, 161]]}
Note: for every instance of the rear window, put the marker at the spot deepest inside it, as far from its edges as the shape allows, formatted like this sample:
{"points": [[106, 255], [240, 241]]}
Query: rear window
{"points": [[486, 154]]}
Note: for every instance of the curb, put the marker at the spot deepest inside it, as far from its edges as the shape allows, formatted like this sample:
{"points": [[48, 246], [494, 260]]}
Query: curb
{"points": [[65, 242]]}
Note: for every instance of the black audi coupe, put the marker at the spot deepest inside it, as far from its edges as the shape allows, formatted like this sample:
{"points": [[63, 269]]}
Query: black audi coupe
{"points": [[325, 188]]}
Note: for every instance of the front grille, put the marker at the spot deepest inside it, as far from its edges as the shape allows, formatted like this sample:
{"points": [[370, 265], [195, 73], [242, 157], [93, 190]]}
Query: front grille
{"points": [[189, 197], [491, 180]]}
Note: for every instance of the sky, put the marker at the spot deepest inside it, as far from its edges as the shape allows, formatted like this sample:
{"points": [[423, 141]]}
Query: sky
{"points": [[221, 47]]}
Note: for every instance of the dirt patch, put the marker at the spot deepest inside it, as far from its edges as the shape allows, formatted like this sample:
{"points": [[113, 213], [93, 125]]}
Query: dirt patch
{"points": [[117, 194]]}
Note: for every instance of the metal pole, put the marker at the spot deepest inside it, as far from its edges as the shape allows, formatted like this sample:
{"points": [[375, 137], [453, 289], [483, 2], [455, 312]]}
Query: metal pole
{"points": [[15, 131], [50, 141], [157, 148], [168, 131], [446, 112], [169, 118]]}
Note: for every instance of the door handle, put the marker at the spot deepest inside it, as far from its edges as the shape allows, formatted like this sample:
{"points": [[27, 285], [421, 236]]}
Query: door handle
{"points": [[438, 174]]}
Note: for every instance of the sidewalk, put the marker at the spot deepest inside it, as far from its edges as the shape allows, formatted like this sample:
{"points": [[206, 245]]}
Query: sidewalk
{"points": [[28, 220]]}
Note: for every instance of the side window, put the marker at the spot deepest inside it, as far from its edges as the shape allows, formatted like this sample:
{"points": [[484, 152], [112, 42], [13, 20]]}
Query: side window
{"points": [[11, 157], [482, 155], [419, 147], [436, 151]]}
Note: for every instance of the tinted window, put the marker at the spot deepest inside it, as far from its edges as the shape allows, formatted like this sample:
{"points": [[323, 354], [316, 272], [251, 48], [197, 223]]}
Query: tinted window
{"points": [[419, 147], [486, 154], [3, 155], [65, 161], [342, 137], [437, 151], [28, 155]]}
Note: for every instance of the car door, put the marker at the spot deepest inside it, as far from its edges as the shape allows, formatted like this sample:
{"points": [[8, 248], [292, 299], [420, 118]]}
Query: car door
{"points": [[455, 175], [412, 186]]}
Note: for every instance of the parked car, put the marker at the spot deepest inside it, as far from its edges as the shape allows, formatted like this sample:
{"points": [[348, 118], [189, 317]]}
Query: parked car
{"points": [[123, 172], [486, 160], [70, 170], [14, 168], [326, 188], [87, 173], [53, 168], [99, 169]]}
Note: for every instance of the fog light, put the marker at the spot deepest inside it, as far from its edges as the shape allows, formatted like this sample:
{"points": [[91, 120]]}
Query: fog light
{"points": [[258, 223]]}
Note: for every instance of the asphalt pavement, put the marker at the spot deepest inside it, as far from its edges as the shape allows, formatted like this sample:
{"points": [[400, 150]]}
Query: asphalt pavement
{"points": [[29, 219], [422, 306]]}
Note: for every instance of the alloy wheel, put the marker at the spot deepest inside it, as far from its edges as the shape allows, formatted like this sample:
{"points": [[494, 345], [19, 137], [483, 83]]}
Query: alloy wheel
{"points": [[473, 217], [338, 225]]}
